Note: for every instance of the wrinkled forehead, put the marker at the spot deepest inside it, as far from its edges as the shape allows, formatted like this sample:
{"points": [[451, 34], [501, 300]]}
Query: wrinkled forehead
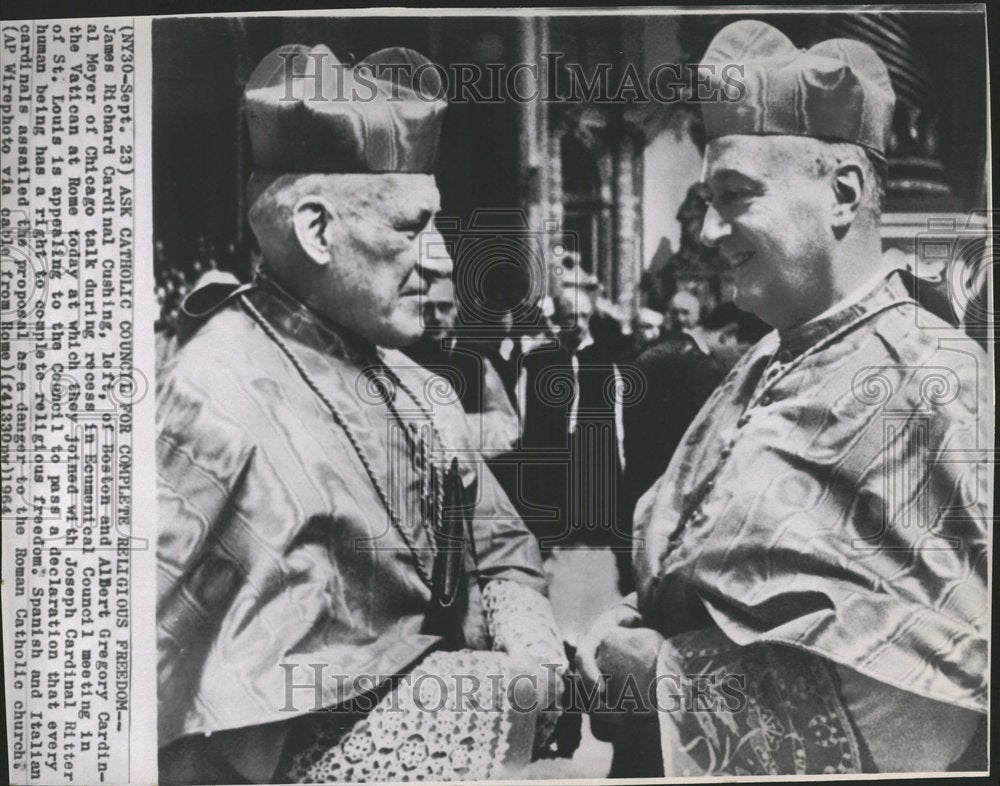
{"points": [[373, 197], [394, 193], [756, 156]]}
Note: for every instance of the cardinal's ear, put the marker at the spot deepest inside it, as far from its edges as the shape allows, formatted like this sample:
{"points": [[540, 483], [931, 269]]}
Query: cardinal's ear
{"points": [[312, 216], [848, 189]]}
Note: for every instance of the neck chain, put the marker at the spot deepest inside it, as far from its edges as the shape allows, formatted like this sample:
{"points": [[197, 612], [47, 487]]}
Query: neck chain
{"points": [[432, 495]]}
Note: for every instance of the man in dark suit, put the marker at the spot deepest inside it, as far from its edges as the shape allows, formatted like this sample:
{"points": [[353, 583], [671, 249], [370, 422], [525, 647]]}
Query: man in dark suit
{"points": [[571, 410]]}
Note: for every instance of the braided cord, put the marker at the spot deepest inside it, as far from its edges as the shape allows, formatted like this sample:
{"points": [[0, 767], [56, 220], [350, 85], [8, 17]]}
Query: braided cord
{"points": [[342, 422], [436, 437], [434, 434]]}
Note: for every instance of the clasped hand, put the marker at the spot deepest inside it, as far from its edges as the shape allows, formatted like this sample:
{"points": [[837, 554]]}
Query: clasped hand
{"points": [[616, 650]]}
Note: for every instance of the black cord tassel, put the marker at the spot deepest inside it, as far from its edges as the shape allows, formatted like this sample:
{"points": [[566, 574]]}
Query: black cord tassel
{"points": [[449, 537]]}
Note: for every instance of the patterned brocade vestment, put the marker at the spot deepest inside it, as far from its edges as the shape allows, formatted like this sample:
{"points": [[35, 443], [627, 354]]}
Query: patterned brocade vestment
{"points": [[275, 552], [833, 496]]}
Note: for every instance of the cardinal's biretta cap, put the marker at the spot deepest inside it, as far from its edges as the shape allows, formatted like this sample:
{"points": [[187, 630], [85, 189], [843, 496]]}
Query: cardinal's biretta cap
{"points": [[838, 90], [309, 113]]}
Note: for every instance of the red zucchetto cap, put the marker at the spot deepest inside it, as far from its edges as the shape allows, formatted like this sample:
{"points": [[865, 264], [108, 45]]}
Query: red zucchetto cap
{"points": [[309, 113], [837, 90]]}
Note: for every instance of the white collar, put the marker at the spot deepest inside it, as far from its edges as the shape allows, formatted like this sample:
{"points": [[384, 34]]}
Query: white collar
{"points": [[851, 298]]}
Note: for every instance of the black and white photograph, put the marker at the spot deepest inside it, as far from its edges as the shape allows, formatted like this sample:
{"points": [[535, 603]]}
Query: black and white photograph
{"points": [[525, 395], [568, 348]]}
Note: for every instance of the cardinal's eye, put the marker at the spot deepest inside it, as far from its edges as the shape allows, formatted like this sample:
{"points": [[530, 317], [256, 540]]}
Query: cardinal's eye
{"points": [[412, 227]]}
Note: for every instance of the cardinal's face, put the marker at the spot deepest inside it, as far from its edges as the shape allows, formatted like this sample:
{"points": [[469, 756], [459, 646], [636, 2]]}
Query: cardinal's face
{"points": [[384, 255]]}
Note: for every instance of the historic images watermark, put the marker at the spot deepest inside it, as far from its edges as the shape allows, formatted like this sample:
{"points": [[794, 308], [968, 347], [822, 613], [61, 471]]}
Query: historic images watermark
{"points": [[702, 692], [552, 80]]}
